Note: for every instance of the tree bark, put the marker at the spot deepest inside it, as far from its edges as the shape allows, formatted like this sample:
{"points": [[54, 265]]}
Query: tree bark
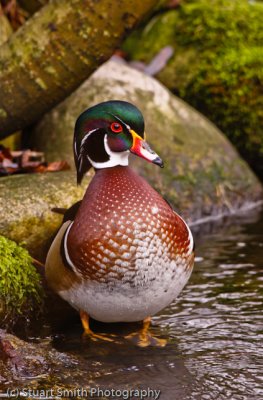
{"points": [[31, 6], [56, 50], [5, 27]]}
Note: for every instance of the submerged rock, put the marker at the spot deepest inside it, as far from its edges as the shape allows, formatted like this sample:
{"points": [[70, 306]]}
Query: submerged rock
{"points": [[203, 174]]}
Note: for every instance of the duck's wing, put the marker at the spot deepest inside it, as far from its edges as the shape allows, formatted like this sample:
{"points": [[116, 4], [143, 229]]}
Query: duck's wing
{"points": [[69, 213], [192, 242]]}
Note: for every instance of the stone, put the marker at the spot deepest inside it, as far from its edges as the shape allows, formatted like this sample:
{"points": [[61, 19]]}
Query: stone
{"points": [[203, 175], [23, 364], [25, 207]]}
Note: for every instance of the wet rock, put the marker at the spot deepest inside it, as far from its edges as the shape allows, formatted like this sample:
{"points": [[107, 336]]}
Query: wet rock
{"points": [[16, 355], [203, 174], [22, 362]]}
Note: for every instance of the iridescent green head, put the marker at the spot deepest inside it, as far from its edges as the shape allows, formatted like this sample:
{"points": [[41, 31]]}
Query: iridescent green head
{"points": [[105, 135]]}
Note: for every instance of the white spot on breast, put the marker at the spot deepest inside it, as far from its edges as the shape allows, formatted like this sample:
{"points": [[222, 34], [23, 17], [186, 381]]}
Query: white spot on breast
{"points": [[155, 209], [126, 256]]}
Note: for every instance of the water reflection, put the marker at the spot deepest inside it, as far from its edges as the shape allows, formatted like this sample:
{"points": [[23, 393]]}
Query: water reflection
{"points": [[124, 366]]}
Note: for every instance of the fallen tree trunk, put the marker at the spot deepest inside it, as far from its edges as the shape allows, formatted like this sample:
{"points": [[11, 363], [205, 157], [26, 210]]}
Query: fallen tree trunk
{"points": [[5, 27], [31, 6], [56, 50]]}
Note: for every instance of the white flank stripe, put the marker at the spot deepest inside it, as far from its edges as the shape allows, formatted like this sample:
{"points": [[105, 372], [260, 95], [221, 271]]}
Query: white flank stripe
{"points": [[191, 239], [191, 244], [66, 250]]}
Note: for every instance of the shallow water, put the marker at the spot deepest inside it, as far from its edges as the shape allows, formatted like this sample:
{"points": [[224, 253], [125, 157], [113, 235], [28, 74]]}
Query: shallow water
{"points": [[215, 330]]}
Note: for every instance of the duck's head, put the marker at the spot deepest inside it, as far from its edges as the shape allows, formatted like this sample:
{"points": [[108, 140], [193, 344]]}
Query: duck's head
{"points": [[106, 134]]}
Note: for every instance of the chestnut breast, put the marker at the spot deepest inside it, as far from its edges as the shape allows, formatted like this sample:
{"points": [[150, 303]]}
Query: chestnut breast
{"points": [[121, 220]]}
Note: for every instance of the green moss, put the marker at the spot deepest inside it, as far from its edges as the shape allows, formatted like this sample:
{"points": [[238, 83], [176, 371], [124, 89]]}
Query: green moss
{"points": [[217, 65], [231, 94], [20, 289]]}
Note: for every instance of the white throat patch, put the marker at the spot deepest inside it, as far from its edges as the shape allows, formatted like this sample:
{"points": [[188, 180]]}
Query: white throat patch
{"points": [[121, 158]]}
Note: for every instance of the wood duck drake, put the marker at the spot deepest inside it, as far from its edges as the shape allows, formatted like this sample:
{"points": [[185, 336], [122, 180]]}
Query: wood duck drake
{"points": [[122, 254]]}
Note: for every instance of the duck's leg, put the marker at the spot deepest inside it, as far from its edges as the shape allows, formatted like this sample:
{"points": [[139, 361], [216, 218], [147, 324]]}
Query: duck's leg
{"points": [[143, 338], [87, 331]]}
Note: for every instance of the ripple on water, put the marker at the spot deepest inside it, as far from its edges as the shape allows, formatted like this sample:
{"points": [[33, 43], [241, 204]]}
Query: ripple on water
{"points": [[218, 319]]}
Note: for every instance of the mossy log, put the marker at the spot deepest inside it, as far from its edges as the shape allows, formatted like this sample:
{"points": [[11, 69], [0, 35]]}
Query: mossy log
{"points": [[56, 50], [203, 174], [5, 32], [25, 207], [31, 6], [5, 27]]}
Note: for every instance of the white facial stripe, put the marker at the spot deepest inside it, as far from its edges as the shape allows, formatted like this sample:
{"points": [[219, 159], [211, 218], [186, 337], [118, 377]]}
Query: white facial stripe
{"points": [[121, 158], [86, 136], [80, 154], [75, 148], [120, 120], [80, 164]]}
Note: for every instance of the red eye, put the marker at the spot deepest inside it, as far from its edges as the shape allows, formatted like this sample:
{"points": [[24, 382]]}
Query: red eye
{"points": [[116, 127]]}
